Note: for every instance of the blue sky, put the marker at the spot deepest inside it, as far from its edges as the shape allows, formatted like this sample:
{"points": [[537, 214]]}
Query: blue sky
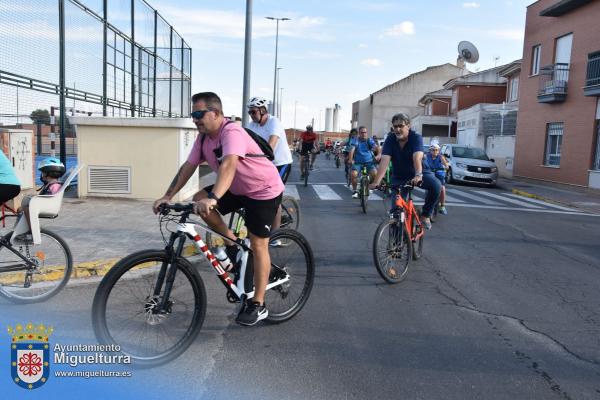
{"points": [[337, 51]]}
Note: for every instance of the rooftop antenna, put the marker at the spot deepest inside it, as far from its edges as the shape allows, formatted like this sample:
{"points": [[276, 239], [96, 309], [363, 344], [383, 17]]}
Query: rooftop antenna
{"points": [[496, 58], [467, 52]]}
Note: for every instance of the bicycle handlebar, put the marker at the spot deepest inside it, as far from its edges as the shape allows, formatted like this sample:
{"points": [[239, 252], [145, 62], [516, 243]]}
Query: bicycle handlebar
{"points": [[164, 208]]}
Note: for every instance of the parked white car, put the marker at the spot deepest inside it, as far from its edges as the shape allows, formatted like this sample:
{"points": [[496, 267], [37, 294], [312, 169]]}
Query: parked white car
{"points": [[469, 164]]}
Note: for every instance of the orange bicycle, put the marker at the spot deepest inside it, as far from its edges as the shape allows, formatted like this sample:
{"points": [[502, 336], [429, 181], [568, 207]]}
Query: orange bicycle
{"points": [[398, 239]]}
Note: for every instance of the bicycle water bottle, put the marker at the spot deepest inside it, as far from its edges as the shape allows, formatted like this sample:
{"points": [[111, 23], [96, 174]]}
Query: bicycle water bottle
{"points": [[223, 259]]}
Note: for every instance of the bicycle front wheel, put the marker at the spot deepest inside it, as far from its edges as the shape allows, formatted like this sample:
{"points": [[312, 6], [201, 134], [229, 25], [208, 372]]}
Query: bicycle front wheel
{"points": [[294, 258], [290, 213], [364, 193], [127, 312], [392, 250], [306, 176], [48, 271]]}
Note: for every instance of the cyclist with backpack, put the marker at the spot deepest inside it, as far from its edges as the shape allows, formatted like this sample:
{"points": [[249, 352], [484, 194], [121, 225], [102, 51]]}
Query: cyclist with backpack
{"points": [[246, 178], [362, 153], [269, 128]]}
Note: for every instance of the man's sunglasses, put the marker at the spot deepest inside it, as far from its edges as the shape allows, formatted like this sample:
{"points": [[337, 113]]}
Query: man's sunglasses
{"points": [[399, 126], [252, 112], [199, 114]]}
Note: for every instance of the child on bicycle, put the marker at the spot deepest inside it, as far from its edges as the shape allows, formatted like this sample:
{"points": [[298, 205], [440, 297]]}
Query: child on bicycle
{"points": [[51, 169], [436, 163]]}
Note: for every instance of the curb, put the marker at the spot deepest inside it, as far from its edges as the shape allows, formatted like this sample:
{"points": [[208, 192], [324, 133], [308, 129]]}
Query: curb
{"points": [[91, 269], [538, 197]]}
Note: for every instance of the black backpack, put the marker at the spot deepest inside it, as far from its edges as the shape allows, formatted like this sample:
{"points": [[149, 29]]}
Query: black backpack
{"points": [[264, 146]]}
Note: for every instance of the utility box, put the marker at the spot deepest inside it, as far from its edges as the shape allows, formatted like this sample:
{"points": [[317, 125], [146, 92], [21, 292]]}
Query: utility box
{"points": [[17, 144], [135, 158]]}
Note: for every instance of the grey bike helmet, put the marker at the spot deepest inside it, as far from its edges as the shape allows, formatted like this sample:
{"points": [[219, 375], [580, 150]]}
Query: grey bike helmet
{"points": [[257, 102]]}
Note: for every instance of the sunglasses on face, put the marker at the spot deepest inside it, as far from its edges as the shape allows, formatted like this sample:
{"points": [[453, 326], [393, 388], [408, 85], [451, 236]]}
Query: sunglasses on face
{"points": [[199, 114], [253, 112], [399, 126]]}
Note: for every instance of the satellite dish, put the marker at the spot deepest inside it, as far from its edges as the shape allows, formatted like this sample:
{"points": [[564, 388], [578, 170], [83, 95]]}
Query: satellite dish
{"points": [[468, 52]]}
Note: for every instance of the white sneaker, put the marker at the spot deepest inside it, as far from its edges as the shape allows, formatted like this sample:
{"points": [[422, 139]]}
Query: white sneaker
{"points": [[276, 243], [355, 195]]}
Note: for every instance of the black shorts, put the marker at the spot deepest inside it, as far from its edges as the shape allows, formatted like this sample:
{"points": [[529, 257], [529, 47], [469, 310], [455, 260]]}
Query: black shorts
{"points": [[307, 148], [260, 214], [8, 192], [284, 171]]}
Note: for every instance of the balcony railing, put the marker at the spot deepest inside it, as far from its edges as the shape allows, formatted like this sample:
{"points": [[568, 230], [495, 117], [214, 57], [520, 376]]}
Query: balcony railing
{"points": [[592, 80], [553, 83]]}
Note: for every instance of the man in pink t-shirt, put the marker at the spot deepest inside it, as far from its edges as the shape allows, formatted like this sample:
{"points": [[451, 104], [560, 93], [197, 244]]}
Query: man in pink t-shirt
{"points": [[245, 179]]}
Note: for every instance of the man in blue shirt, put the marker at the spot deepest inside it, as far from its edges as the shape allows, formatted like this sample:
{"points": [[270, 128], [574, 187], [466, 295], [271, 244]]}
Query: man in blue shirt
{"points": [[405, 150], [362, 154]]}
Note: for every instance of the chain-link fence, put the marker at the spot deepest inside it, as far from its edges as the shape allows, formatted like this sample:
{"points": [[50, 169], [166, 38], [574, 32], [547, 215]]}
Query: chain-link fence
{"points": [[94, 57]]}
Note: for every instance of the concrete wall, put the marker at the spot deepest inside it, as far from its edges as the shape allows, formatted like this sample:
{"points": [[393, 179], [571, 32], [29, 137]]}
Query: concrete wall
{"points": [[577, 112], [502, 150], [403, 96], [153, 149]]}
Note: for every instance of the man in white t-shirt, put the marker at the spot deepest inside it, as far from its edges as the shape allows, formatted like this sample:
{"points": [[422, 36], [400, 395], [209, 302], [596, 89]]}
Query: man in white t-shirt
{"points": [[269, 128]]}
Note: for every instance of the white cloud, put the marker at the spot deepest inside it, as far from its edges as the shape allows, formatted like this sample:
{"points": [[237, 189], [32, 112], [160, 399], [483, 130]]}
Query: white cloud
{"points": [[363, 46], [231, 24], [471, 5], [371, 62], [403, 28]]}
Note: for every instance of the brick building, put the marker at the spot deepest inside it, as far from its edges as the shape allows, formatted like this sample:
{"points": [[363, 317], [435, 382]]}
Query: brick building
{"points": [[558, 123]]}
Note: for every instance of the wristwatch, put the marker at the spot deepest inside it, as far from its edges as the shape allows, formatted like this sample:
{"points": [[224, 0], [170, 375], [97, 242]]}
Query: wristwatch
{"points": [[420, 174], [213, 196]]}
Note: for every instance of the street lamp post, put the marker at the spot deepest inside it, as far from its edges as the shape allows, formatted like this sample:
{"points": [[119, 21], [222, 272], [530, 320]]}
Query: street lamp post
{"points": [[295, 105], [276, 99], [280, 102], [276, 19]]}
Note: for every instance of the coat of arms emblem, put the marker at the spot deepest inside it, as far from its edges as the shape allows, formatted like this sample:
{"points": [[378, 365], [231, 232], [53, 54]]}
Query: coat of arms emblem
{"points": [[30, 355]]}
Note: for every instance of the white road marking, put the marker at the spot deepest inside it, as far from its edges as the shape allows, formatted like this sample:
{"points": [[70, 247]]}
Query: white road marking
{"points": [[472, 197], [509, 200], [544, 203], [292, 191], [326, 193]]}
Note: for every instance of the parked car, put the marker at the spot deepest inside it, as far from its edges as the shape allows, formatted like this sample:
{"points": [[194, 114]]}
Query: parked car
{"points": [[469, 164]]}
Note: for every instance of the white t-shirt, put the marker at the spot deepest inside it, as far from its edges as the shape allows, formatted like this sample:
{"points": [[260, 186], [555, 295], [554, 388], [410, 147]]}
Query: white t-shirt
{"points": [[282, 152]]}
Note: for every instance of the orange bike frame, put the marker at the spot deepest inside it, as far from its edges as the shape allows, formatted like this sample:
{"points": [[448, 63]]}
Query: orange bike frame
{"points": [[410, 213]]}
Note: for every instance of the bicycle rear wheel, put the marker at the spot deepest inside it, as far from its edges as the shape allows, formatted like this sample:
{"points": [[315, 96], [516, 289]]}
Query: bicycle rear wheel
{"points": [[125, 309], [417, 244], [53, 262], [290, 213], [295, 259], [392, 250]]}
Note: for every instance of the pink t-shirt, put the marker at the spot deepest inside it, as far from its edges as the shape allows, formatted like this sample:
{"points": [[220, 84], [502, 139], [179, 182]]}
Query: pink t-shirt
{"points": [[255, 177]]}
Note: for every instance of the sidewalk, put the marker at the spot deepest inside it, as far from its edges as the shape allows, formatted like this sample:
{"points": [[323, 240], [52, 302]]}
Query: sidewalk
{"points": [[583, 199]]}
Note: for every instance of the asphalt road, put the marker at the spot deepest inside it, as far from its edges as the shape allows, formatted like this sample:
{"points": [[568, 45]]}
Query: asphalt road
{"points": [[503, 305]]}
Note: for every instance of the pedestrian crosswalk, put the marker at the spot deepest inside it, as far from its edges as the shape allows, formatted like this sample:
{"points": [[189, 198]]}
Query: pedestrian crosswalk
{"points": [[457, 197]]}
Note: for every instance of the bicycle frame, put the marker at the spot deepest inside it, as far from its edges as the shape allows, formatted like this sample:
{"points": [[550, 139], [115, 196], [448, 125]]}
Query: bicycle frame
{"points": [[410, 212], [10, 268], [187, 230]]}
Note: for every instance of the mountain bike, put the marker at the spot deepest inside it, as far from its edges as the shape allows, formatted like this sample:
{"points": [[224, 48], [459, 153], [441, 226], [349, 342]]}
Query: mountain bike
{"points": [[290, 219], [398, 239], [152, 303]]}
